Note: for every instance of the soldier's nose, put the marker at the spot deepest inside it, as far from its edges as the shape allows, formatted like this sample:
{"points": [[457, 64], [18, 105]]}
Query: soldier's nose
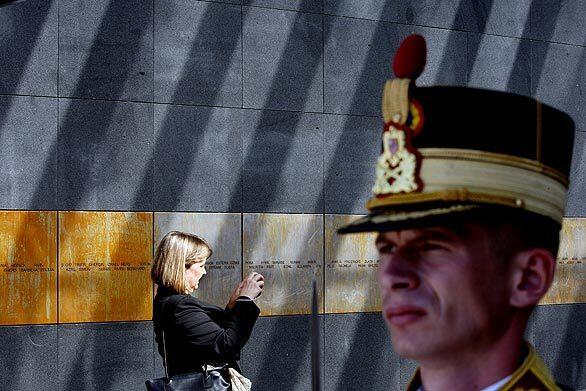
{"points": [[396, 274]]}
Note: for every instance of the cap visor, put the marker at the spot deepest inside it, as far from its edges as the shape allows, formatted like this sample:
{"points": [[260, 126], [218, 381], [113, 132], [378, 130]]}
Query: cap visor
{"points": [[399, 220]]}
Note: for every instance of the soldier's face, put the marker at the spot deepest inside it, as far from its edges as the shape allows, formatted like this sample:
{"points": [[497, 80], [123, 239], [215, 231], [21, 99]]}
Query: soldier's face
{"points": [[443, 292]]}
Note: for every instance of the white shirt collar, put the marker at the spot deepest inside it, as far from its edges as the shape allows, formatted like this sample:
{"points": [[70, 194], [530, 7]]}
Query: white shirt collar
{"points": [[496, 386], [493, 387]]}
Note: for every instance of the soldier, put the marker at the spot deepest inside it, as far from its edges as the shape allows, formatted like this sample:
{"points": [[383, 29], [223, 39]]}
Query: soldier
{"points": [[468, 204]]}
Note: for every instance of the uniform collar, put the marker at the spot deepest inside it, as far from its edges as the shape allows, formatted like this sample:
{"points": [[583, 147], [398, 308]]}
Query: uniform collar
{"points": [[532, 374]]}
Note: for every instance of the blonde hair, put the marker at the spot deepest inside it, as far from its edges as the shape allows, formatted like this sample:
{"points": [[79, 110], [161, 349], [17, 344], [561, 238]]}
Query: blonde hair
{"points": [[176, 252]]}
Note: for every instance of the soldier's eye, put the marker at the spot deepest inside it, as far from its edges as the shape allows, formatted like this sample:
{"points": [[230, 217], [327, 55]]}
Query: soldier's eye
{"points": [[431, 247], [386, 249]]}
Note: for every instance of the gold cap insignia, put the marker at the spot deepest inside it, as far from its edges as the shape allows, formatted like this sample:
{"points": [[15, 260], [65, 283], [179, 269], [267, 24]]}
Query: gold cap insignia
{"points": [[398, 167]]}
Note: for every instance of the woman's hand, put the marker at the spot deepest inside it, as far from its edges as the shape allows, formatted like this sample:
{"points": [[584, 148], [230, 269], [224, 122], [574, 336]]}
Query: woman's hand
{"points": [[251, 287]]}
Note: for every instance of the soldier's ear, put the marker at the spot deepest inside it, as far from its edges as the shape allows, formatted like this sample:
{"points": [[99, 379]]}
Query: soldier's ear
{"points": [[531, 276]]}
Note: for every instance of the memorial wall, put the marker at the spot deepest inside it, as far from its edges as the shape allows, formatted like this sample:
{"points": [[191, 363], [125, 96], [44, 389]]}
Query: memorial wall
{"points": [[72, 267], [255, 124]]}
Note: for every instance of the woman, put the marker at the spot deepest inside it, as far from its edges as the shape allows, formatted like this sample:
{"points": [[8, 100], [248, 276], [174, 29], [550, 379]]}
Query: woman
{"points": [[198, 333]]}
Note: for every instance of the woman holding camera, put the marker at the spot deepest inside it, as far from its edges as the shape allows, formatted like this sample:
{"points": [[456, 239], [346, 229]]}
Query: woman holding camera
{"points": [[198, 336]]}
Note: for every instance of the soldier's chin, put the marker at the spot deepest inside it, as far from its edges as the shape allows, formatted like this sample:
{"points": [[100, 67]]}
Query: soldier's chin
{"points": [[408, 346]]}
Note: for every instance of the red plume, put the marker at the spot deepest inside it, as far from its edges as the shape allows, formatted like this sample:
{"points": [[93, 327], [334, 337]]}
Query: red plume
{"points": [[410, 59]]}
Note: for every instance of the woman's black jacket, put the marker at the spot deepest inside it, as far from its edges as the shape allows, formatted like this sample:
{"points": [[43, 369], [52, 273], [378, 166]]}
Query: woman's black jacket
{"points": [[198, 333]]}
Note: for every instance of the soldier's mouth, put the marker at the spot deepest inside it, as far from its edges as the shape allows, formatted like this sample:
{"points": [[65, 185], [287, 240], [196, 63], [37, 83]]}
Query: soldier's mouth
{"points": [[404, 315]]}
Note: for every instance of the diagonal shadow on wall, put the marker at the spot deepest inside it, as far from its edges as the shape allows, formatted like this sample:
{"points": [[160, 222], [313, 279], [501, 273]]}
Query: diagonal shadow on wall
{"points": [[472, 53], [284, 70], [380, 36], [105, 30], [179, 180], [286, 125], [570, 357], [547, 29], [481, 10], [28, 19], [569, 364], [114, 23], [570, 360], [211, 27], [108, 60], [384, 35], [178, 163], [192, 143]]}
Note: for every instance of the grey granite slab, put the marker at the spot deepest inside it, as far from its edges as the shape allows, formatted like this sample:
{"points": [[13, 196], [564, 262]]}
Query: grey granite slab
{"points": [[104, 155], [557, 332], [352, 146], [106, 49], [278, 354], [29, 358], [159, 366], [358, 60], [559, 21], [499, 17], [28, 48], [106, 356], [283, 162], [28, 162], [198, 53], [295, 5], [282, 63], [408, 369], [489, 16], [576, 198], [499, 63], [429, 12], [229, 1], [558, 78], [359, 355], [197, 158], [366, 9]]}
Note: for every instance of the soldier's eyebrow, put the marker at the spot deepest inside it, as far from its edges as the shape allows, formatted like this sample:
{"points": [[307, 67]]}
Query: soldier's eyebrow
{"points": [[443, 234]]}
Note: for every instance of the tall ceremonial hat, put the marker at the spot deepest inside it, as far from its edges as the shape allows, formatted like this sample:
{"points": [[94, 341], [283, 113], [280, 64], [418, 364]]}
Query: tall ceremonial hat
{"points": [[456, 151]]}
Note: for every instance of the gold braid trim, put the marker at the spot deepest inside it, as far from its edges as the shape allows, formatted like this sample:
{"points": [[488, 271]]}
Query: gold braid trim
{"points": [[532, 366], [492, 157], [477, 177], [533, 374], [396, 100], [451, 195]]}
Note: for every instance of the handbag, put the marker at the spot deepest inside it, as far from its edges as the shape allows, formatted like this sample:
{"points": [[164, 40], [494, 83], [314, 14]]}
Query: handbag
{"points": [[207, 380]]}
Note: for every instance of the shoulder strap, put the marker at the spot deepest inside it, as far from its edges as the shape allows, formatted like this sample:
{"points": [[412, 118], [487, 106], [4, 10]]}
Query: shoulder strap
{"points": [[161, 324], [164, 344]]}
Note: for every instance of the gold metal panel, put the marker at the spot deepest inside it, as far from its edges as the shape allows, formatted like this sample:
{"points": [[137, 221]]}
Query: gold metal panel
{"points": [[569, 285], [288, 251], [223, 232], [28, 267], [351, 264], [104, 266]]}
